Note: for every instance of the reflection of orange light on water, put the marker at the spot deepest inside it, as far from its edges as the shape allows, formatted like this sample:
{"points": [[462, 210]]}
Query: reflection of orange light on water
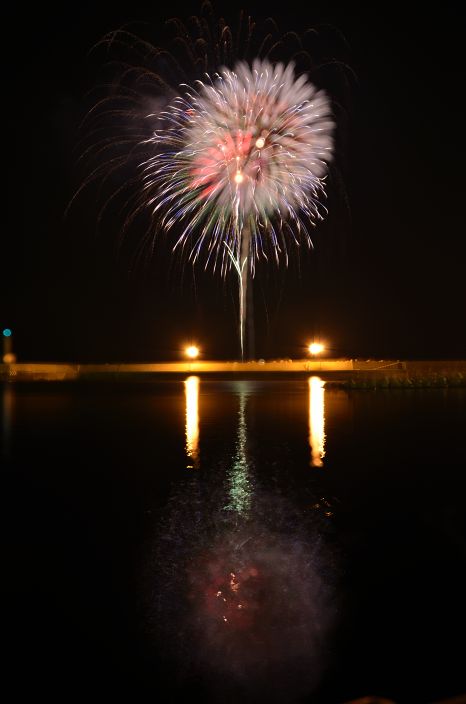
{"points": [[316, 421], [191, 388]]}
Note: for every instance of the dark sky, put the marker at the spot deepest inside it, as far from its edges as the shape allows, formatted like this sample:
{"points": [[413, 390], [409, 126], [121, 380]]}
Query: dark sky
{"points": [[387, 275]]}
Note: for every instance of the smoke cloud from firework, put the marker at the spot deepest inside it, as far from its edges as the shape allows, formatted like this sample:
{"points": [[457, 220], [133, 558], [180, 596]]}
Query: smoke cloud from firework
{"points": [[245, 151]]}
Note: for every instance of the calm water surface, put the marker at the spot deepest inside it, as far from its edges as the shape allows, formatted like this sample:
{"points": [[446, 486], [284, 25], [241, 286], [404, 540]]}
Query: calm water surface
{"points": [[236, 540]]}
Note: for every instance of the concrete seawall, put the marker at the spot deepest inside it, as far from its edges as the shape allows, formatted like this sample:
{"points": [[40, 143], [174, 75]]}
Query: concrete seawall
{"points": [[330, 369]]}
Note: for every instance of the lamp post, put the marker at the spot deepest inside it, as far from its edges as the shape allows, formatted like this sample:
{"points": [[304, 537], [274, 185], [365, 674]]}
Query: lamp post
{"points": [[192, 353], [315, 349], [8, 356]]}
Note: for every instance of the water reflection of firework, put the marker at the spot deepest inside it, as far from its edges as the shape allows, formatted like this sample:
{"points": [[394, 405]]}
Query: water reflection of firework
{"points": [[259, 610], [245, 607], [242, 593]]}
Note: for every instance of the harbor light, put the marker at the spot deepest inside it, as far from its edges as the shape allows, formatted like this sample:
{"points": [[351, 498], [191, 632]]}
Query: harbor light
{"points": [[192, 352], [316, 348]]}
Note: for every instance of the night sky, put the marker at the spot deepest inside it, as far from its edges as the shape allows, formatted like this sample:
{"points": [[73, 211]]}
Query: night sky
{"points": [[386, 277]]}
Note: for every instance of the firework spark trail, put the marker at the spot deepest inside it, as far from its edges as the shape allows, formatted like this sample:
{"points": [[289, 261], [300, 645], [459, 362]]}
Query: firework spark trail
{"points": [[239, 162]]}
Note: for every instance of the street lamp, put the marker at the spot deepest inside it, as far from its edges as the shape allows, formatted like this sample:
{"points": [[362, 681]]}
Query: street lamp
{"points": [[316, 348], [8, 357], [192, 352]]}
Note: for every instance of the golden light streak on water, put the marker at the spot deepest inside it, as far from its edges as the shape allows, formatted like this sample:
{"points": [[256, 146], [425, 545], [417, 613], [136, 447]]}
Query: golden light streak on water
{"points": [[191, 390], [316, 421]]}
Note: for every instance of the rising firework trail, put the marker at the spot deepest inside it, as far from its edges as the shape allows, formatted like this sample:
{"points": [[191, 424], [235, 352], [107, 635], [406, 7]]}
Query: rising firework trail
{"points": [[239, 162]]}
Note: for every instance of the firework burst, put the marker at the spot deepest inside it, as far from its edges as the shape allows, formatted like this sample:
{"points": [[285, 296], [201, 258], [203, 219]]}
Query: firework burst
{"points": [[239, 163], [232, 167]]}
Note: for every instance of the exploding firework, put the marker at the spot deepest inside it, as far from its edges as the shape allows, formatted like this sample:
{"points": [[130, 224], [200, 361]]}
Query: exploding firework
{"points": [[242, 156], [231, 167], [239, 161]]}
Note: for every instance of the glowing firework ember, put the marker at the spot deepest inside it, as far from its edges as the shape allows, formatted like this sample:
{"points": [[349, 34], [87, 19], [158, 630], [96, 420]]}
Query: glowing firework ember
{"points": [[239, 162]]}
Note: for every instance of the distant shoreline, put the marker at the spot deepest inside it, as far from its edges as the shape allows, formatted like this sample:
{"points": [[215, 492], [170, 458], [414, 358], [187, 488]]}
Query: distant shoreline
{"points": [[349, 373]]}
